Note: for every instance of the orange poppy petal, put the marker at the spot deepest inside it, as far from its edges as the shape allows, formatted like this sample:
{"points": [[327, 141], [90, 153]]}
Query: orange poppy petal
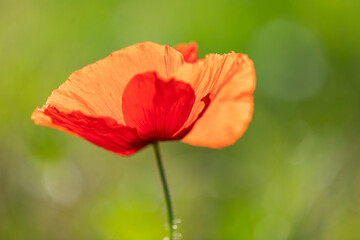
{"points": [[230, 81], [189, 51], [40, 118], [157, 109], [96, 89], [102, 131]]}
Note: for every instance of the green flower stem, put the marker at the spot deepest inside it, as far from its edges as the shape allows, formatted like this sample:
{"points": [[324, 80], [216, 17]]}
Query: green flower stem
{"points": [[166, 189]]}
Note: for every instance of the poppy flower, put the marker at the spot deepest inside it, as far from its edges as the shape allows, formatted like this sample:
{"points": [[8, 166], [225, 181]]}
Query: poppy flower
{"points": [[148, 92]]}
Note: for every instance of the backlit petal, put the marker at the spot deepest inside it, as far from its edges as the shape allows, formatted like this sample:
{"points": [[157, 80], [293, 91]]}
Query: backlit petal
{"points": [[230, 81], [96, 90]]}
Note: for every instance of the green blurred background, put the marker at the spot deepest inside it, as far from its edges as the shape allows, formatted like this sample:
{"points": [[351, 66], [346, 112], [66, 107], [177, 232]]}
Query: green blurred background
{"points": [[295, 174]]}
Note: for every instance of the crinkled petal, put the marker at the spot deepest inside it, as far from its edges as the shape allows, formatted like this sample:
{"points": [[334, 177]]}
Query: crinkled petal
{"points": [[96, 90], [230, 81]]}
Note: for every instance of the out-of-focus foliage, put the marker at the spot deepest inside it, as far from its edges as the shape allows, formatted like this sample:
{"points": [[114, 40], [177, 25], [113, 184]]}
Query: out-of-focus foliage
{"points": [[294, 175]]}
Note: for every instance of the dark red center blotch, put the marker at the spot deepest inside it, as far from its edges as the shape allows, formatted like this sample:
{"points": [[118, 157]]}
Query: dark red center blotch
{"points": [[157, 109]]}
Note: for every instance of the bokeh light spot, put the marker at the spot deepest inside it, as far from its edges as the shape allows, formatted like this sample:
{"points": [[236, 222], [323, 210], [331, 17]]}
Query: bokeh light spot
{"points": [[63, 182], [289, 61]]}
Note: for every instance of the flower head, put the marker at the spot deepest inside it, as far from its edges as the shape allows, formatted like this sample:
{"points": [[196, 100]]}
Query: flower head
{"points": [[149, 92]]}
